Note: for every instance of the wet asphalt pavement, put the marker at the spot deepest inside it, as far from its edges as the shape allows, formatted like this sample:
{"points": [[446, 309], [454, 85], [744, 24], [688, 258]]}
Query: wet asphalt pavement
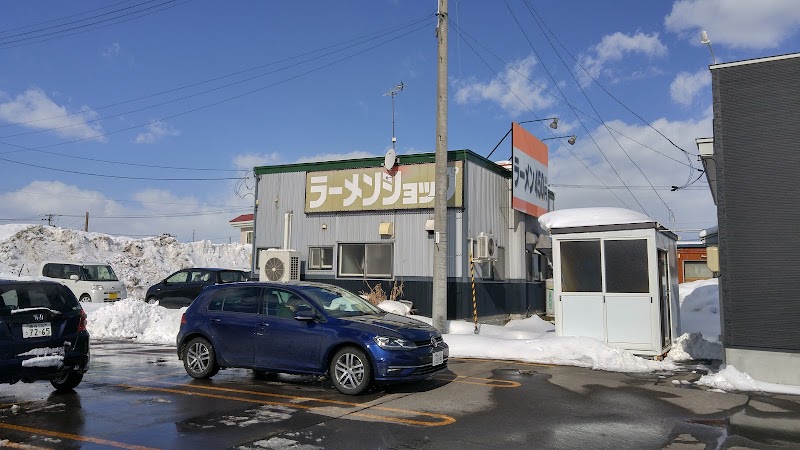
{"points": [[138, 396]]}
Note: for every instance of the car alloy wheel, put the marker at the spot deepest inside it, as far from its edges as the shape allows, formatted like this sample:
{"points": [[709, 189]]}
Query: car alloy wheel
{"points": [[350, 371], [199, 360], [85, 298]]}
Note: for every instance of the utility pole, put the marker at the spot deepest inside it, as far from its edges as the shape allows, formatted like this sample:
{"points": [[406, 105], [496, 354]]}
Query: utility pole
{"points": [[192, 235], [86, 223], [49, 219], [439, 302]]}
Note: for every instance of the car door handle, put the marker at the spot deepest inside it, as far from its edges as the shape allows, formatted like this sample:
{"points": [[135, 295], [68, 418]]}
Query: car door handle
{"points": [[263, 324], [215, 320]]}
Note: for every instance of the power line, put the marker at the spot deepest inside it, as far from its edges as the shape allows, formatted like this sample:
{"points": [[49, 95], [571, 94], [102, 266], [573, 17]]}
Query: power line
{"points": [[669, 210], [82, 26], [124, 177], [361, 40], [206, 107], [573, 111], [64, 17], [108, 199], [546, 91], [594, 186], [459, 31], [154, 216], [76, 21]]}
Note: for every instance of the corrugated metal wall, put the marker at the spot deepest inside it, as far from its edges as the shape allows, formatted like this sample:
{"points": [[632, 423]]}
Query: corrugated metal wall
{"points": [[756, 136]]}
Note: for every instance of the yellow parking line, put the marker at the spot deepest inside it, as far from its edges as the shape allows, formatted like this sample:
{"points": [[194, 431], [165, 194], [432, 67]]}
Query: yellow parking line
{"points": [[72, 437], [443, 419], [504, 361], [484, 382]]}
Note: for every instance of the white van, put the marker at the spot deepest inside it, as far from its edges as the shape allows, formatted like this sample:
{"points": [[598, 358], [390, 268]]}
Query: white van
{"points": [[90, 281]]}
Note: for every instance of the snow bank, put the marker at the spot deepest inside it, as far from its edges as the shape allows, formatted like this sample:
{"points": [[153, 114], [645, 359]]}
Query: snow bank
{"points": [[730, 379], [692, 346], [133, 319], [583, 217], [139, 263], [699, 302]]}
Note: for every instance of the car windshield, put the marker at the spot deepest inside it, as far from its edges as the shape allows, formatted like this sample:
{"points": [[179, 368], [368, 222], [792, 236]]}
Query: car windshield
{"points": [[340, 302], [25, 296], [99, 273]]}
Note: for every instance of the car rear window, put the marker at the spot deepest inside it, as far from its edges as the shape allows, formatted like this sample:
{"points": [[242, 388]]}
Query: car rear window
{"points": [[24, 296]]}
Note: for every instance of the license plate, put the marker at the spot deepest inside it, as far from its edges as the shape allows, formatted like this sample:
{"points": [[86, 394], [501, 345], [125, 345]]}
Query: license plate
{"points": [[438, 358], [33, 330], [112, 295]]}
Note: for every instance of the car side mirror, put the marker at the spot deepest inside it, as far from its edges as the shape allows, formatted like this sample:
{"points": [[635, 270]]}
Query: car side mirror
{"points": [[305, 316], [74, 277]]}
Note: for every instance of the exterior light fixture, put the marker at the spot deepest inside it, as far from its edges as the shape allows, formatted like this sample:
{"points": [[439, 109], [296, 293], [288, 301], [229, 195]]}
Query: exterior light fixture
{"points": [[571, 139], [553, 124]]}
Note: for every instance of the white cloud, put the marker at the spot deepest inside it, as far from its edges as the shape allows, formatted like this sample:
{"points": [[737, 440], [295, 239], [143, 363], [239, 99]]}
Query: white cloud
{"points": [[745, 24], [154, 132], [685, 87], [111, 50], [615, 47], [41, 112], [249, 160], [335, 156], [693, 208], [516, 94]]}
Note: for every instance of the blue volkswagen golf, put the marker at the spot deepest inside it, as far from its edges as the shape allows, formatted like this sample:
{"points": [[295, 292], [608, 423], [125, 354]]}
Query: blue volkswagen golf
{"points": [[308, 328]]}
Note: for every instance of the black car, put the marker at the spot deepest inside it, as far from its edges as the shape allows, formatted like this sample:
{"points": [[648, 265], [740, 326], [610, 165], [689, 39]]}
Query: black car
{"points": [[42, 334], [180, 288]]}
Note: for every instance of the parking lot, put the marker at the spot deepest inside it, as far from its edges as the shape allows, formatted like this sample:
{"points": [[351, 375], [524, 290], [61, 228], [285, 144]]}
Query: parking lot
{"points": [[138, 396]]}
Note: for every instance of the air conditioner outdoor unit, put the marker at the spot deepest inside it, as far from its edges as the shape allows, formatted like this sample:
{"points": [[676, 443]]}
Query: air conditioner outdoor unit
{"points": [[279, 265], [486, 247]]}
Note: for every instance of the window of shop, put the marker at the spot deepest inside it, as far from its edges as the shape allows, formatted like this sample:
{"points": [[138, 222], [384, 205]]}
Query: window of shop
{"points": [[365, 260], [320, 258], [696, 270]]}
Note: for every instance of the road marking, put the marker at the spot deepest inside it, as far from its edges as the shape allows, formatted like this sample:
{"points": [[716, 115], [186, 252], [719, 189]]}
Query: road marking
{"points": [[72, 437], [506, 361], [484, 381], [442, 419], [7, 443]]}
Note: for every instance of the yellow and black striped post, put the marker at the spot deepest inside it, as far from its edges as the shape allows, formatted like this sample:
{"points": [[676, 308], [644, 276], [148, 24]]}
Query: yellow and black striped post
{"points": [[474, 298]]}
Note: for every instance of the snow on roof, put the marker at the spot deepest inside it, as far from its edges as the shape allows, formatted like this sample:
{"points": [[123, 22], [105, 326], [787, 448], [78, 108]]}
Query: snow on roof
{"points": [[709, 232], [586, 217]]}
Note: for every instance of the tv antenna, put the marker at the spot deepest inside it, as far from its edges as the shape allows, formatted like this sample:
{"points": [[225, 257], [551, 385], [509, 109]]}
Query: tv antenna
{"points": [[390, 158]]}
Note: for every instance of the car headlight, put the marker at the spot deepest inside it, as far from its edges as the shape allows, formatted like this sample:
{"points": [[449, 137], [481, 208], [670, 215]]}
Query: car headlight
{"points": [[97, 287], [393, 343]]}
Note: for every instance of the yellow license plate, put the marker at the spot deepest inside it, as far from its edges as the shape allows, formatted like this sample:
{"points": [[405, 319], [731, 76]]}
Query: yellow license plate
{"points": [[113, 296]]}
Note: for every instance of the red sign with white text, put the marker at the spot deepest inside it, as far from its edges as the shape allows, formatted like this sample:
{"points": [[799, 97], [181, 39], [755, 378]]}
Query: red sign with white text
{"points": [[529, 192]]}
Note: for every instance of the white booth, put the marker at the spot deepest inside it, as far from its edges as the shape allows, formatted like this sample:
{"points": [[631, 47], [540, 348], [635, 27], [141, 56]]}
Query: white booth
{"points": [[615, 278]]}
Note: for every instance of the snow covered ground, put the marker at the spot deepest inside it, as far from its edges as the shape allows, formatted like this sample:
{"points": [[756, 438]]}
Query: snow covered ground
{"points": [[141, 262]]}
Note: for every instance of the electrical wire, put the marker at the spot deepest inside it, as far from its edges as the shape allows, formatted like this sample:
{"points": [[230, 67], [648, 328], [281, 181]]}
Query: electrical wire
{"points": [[155, 216], [546, 91], [124, 177], [670, 213], [47, 194], [458, 30], [64, 17], [4, 42], [211, 104], [555, 82], [358, 41]]}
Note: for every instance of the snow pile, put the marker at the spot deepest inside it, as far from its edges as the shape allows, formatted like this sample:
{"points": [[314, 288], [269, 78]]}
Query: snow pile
{"points": [[699, 302], [135, 320], [584, 217], [730, 379], [692, 346], [532, 340], [139, 263], [395, 307]]}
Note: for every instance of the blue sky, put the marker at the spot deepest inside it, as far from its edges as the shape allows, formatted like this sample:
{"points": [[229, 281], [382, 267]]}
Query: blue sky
{"points": [[308, 85]]}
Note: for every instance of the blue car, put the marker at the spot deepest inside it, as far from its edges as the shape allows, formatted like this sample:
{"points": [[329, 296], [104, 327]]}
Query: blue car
{"points": [[306, 328]]}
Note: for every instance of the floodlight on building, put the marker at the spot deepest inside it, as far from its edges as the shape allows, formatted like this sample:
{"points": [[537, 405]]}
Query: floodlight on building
{"points": [[570, 139]]}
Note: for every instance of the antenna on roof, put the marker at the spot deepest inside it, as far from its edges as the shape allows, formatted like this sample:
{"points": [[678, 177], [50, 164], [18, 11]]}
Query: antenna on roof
{"points": [[391, 154]]}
